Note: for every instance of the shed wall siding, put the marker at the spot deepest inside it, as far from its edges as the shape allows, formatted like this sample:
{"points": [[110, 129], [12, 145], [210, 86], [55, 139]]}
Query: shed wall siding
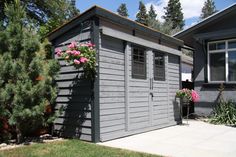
{"points": [[112, 88], [174, 82], [143, 115], [75, 92]]}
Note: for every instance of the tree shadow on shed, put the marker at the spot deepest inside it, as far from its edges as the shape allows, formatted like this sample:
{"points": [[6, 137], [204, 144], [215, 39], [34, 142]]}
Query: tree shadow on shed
{"points": [[75, 120]]}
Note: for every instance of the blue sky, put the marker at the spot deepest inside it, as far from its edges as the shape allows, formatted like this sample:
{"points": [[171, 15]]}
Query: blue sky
{"points": [[191, 8]]}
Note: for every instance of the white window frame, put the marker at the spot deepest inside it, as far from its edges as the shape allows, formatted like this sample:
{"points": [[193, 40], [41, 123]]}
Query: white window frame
{"points": [[226, 51]]}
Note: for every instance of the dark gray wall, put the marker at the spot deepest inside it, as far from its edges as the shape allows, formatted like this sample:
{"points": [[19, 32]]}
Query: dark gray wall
{"points": [[210, 93], [75, 91]]}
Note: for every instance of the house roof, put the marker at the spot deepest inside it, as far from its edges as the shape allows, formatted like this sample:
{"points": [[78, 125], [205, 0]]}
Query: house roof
{"points": [[187, 59], [101, 12], [208, 20]]}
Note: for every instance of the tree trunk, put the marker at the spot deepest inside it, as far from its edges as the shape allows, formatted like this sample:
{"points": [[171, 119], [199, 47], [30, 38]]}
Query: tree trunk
{"points": [[19, 137]]}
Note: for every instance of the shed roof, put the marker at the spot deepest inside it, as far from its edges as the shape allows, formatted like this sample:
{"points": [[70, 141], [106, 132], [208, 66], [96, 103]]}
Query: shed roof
{"points": [[217, 16], [101, 12]]}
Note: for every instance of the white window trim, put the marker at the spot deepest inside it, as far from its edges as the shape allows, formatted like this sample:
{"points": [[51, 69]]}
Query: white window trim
{"points": [[226, 50]]}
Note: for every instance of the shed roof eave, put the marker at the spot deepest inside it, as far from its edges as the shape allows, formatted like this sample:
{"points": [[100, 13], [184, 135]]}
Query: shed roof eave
{"points": [[98, 11]]}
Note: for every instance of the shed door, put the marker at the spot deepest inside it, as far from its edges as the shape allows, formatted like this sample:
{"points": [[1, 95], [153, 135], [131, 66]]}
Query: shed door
{"points": [[148, 99], [159, 88]]}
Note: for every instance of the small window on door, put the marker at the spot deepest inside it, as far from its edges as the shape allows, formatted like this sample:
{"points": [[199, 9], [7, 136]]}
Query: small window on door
{"points": [[138, 63], [159, 66]]}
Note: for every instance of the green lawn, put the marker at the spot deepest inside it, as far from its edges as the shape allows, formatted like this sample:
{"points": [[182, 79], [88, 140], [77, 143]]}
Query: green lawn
{"points": [[69, 148]]}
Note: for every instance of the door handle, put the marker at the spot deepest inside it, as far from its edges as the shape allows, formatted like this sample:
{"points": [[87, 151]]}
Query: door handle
{"points": [[151, 95]]}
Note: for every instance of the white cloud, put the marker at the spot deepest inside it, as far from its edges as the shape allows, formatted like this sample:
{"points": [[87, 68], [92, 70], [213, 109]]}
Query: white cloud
{"points": [[187, 26], [191, 8]]}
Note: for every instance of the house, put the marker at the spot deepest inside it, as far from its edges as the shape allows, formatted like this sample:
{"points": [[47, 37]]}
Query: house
{"points": [[138, 74], [214, 43]]}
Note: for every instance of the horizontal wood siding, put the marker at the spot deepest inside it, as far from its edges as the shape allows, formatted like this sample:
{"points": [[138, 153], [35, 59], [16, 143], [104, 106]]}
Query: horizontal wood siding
{"points": [[75, 91], [139, 111], [174, 85], [160, 99], [112, 88], [143, 113]]}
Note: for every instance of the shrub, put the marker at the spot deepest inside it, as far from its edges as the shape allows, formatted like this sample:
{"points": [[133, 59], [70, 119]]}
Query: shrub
{"points": [[224, 113], [27, 86]]}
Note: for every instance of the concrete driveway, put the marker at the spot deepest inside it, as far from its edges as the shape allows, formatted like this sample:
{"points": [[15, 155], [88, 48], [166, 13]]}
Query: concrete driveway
{"points": [[198, 139]]}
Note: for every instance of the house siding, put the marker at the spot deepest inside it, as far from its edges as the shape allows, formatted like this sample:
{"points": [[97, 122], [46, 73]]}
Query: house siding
{"points": [[75, 92], [208, 93]]}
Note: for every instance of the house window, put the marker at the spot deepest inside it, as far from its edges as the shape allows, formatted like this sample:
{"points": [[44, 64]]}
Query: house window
{"points": [[222, 61], [138, 63], [159, 66]]}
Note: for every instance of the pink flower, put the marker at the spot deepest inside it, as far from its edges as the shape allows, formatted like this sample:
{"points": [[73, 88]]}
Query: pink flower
{"points": [[76, 61], [76, 53], [195, 96], [73, 52], [72, 45], [58, 52], [83, 60], [90, 45]]}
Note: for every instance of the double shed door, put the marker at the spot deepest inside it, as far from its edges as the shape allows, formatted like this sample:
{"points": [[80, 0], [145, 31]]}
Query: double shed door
{"points": [[148, 89]]}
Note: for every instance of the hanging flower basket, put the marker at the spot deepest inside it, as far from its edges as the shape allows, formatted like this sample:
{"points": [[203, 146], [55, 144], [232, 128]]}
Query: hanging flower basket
{"points": [[187, 95], [81, 55]]}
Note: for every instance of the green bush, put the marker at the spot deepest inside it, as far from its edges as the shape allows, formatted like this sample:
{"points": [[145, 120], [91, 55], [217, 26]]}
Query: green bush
{"points": [[27, 87], [224, 113]]}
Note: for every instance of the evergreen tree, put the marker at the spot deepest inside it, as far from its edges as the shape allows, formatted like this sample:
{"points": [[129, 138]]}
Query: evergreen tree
{"points": [[208, 9], [42, 10], [167, 28], [46, 15], [27, 73], [152, 13], [152, 19], [174, 14], [122, 10], [142, 16]]}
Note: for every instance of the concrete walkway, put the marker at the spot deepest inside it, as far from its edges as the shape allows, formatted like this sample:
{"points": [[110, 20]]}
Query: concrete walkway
{"points": [[198, 139]]}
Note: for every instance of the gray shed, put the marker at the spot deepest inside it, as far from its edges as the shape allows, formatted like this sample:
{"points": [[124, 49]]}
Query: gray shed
{"points": [[138, 74]]}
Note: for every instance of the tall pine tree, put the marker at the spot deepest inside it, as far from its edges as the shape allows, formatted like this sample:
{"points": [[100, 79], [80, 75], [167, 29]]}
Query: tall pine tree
{"points": [[174, 14], [152, 13], [27, 73], [208, 9], [152, 19], [142, 16], [46, 14], [122, 10]]}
